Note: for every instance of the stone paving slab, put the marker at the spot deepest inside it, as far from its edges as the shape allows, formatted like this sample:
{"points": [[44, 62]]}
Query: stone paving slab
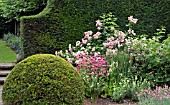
{"points": [[1, 95], [7, 65]]}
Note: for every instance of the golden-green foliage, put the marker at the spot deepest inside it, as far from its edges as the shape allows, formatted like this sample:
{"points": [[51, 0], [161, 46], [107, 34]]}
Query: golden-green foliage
{"points": [[43, 79]]}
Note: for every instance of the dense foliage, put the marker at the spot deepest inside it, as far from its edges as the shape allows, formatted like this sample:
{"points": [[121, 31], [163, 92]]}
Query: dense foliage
{"points": [[13, 9], [43, 79], [65, 21]]}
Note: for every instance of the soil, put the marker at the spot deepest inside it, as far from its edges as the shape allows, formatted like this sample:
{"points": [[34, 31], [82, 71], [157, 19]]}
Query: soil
{"points": [[108, 101]]}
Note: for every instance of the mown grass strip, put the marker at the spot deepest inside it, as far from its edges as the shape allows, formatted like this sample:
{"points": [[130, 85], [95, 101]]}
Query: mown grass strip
{"points": [[6, 54]]}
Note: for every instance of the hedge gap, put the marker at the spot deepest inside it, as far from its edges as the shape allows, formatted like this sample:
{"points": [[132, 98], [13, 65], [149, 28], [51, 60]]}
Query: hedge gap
{"points": [[64, 21]]}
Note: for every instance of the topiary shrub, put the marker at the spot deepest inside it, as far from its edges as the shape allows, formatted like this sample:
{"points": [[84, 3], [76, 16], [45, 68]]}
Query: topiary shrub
{"points": [[43, 79]]}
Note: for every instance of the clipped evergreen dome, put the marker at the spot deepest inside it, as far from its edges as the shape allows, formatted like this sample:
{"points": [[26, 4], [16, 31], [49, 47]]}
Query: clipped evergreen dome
{"points": [[43, 79]]}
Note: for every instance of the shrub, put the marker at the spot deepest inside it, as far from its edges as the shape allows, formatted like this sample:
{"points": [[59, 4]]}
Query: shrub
{"points": [[151, 60], [43, 79]]}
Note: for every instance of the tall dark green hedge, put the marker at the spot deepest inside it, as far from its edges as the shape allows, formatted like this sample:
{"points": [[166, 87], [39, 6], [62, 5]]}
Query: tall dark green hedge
{"points": [[64, 21]]}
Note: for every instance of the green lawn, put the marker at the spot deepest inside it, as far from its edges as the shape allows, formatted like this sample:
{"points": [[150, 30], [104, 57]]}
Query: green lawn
{"points": [[6, 54]]}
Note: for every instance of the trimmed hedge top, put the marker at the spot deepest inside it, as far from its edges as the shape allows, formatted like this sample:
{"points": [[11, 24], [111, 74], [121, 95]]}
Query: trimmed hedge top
{"points": [[43, 79], [64, 21]]}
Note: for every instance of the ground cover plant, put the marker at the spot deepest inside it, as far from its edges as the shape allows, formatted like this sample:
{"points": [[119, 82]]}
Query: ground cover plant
{"points": [[115, 63], [158, 96], [6, 54]]}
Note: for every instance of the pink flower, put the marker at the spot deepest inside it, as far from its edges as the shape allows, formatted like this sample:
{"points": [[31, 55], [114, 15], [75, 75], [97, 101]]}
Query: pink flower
{"points": [[122, 34], [98, 28], [88, 33], [98, 23], [114, 51], [166, 87], [127, 42], [89, 37], [130, 18], [133, 33], [84, 41], [168, 96], [66, 51], [70, 60], [105, 44], [133, 20], [96, 35], [129, 31], [161, 98], [93, 49]]}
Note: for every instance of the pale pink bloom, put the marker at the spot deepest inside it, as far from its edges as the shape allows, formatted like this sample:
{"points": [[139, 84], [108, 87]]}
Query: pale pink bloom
{"points": [[78, 43], [66, 51], [166, 87], [122, 34], [161, 98], [96, 54], [127, 42], [84, 41], [168, 96], [133, 33], [105, 44], [114, 51], [96, 35], [93, 49], [98, 23], [86, 36], [129, 31], [98, 28], [70, 49], [70, 60], [110, 46], [88, 33], [130, 18], [135, 21], [89, 37], [116, 41], [112, 38]]}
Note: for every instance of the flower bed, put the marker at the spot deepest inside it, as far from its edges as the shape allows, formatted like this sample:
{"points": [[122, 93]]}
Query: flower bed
{"points": [[116, 64]]}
